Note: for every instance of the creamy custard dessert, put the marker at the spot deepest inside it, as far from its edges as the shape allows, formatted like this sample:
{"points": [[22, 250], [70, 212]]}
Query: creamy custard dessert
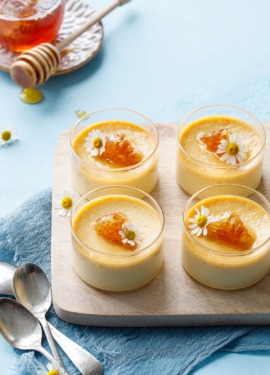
{"points": [[117, 237], [219, 149], [114, 152], [226, 241]]}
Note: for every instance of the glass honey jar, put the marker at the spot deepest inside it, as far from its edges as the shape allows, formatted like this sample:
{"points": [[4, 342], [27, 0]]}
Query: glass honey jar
{"points": [[27, 23]]}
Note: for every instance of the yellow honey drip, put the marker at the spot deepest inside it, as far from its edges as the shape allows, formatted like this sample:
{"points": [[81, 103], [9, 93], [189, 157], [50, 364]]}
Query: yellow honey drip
{"points": [[31, 95]]}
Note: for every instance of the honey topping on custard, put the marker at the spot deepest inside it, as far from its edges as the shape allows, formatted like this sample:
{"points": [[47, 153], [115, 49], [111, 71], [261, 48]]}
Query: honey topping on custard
{"points": [[110, 227], [232, 231], [212, 140], [119, 150]]}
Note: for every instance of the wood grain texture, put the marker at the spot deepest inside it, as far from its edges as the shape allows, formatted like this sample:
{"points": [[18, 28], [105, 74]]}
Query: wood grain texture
{"points": [[173, 298]]}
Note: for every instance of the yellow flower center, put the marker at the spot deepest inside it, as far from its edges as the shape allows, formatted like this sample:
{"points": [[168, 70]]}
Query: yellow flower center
{"points": [[130, 234], [80, 113], [67, 203], [97, 142], [6, 135], [201, 221], [53, 372], [232, 148]]}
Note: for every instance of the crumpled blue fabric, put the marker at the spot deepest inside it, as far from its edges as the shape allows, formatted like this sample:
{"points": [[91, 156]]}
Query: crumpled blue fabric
{"points": [[25, 237]]}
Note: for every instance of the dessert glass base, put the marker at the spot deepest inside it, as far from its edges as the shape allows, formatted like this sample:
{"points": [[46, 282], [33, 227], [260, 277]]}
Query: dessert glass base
{"points": [[226, 242], [117, 236]]}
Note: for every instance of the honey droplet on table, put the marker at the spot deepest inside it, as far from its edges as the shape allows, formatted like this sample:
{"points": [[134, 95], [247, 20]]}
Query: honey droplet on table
{"points": [[232, 231], [31, 95], [109, 226], [212, 140], [120, 151]]}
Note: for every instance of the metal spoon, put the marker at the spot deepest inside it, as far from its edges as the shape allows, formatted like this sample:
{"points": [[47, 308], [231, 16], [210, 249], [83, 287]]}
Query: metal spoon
{"points": [[7, 271], [85, 362], [20, 328], [32, 290]]}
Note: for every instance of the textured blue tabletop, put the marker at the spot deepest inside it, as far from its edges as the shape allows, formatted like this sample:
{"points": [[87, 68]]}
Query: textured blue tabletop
{"points": [[163, 59]]}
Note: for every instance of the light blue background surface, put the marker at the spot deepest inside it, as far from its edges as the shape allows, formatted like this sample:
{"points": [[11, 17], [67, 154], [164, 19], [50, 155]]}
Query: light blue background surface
{"points": [[163, 59]]}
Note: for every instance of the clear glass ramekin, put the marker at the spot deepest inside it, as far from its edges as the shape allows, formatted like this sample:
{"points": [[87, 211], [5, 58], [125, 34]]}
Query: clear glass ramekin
{"points": [[217, 266], [88, 175], [113, 269], [194, 173]]}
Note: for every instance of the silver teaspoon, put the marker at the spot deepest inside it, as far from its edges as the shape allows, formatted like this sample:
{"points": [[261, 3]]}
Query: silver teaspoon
{"points": [[32, 290], [85, 362], [20, 328], [7, 271]]}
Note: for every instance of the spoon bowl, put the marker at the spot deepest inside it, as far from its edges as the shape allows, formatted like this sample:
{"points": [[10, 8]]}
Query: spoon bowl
{"points": [[7, 271], [32, 289], [20, 328]]}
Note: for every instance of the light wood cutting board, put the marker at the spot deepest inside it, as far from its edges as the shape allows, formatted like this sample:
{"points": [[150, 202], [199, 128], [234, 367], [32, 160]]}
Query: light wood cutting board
{"points": [[173, 298]]}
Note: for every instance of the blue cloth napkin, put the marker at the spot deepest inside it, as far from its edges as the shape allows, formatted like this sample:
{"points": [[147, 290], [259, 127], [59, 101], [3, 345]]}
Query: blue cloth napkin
{"points": [[25, 237]]}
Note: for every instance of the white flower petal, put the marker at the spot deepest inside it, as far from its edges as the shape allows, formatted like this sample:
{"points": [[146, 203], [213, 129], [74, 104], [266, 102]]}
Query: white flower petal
{"points": [[199, 232], [232, 138], [94, 152], [192, 220], [204, 211], [224, 157], [231, 160], [132, 243], [198, 211], [62, 212], [244, 149], [193, 226], [204, 230], [196, 230]]}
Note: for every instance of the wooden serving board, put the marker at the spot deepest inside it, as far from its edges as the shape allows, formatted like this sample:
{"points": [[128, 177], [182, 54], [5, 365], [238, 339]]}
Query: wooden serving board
{"points": [[173, 298]]}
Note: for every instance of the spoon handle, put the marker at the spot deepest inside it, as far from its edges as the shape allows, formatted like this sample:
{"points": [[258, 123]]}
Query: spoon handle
{"points": [[51, 341], [46, 354], [94, 19], [85, 362]]}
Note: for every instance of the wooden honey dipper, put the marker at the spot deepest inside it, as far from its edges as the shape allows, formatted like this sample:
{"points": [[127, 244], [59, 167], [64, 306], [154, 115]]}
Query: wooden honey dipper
{"points": [[35, 66]]}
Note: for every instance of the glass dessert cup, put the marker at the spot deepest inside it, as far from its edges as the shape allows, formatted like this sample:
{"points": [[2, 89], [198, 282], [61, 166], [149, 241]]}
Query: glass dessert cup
{"points": [[127, 152], [219, 144], [105, 253], [25, 24], [208, 219]]}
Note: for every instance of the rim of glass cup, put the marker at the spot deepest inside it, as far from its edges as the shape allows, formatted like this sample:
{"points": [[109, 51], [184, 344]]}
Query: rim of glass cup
{"points": [[128, 188], [217, 166], [33, 16], [208, 249], [112, 170]]}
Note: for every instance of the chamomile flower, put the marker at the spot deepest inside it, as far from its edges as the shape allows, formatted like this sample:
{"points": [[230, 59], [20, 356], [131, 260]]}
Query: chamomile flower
{"points": [[80, 113], [200, 221], [8, 135], [233, 150], [95, 142], [130, 234], [54, 368], [66, 201]]}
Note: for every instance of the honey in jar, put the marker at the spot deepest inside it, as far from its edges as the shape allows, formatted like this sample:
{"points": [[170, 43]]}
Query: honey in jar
{"points": [[27, 23]]}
